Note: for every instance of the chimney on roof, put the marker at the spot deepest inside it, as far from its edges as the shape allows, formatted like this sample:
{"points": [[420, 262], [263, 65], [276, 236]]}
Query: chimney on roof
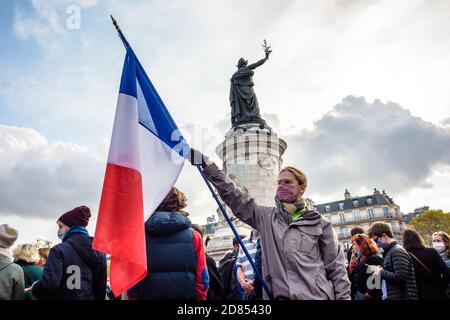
{"points": [[375, 191], [347, 194]]}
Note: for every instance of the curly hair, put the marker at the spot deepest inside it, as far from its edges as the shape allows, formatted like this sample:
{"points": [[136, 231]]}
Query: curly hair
{"points": [[173, 202]]}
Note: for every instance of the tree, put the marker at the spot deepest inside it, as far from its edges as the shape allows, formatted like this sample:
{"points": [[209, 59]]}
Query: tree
{"points": [[431, 221]]}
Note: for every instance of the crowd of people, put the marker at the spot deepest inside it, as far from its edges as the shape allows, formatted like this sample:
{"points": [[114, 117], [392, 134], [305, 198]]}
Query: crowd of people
{"points": [[294, 249]]}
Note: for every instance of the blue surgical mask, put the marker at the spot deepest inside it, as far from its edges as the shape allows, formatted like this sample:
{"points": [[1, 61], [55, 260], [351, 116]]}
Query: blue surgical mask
{"points": [[381, 245], [359, 254]]}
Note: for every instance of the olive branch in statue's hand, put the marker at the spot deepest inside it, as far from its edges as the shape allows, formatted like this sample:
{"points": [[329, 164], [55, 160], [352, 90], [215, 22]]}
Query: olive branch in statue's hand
{"points": [[266, 48]]}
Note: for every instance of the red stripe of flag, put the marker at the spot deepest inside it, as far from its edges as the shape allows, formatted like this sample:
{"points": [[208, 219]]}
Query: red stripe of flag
{"points": [[120, 227]]}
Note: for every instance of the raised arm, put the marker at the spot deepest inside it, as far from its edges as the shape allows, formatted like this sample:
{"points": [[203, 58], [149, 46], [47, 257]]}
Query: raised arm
{"points": [[243, 206], [267, 51], [258, 63]]}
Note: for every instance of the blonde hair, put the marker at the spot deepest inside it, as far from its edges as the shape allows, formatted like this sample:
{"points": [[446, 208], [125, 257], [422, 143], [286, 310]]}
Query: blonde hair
{"points": [[298, 174], [26, 252]]}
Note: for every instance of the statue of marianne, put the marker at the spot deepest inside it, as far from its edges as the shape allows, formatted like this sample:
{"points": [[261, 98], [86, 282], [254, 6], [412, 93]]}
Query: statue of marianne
{"points": [[243, 101]]}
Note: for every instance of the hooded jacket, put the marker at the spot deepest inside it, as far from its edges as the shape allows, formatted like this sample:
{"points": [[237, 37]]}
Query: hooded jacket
{"points": [[11, 280], [303, 258], [176, 260]]}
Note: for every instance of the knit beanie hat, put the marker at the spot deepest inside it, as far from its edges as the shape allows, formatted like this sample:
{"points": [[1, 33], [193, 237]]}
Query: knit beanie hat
{"points": [[78, 216], [8, 236]]}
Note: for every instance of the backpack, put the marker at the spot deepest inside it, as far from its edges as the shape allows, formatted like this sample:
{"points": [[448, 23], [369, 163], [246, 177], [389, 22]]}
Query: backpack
{"points": [[230, 291]]}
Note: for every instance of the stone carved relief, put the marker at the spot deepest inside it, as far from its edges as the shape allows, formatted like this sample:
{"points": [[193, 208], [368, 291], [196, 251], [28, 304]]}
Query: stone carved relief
{"points": [[268, 163]]}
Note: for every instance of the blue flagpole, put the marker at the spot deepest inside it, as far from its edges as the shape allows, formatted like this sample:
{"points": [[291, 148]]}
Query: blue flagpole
{"points": [[264, 284]]}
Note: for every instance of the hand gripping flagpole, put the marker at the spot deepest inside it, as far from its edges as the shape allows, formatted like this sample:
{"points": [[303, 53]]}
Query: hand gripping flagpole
{"points": [[258, 274]]}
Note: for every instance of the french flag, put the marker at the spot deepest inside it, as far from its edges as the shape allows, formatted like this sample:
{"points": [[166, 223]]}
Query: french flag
{"points": [[146, 155]]}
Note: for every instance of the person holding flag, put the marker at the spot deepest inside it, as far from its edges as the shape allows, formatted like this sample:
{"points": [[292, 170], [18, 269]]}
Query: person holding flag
{"points": [[146, 155], [304, 260]]}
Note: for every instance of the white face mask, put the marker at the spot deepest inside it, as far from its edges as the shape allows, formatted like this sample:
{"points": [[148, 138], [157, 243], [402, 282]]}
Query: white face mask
{"points": [[439, 246], [62, 232]]}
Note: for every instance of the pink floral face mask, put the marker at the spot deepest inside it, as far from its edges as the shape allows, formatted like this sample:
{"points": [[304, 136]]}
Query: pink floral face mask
{"points": [[287, 193]]}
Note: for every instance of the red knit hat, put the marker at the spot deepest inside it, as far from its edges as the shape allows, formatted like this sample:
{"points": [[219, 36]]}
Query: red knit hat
{"points": [[78, 216]]}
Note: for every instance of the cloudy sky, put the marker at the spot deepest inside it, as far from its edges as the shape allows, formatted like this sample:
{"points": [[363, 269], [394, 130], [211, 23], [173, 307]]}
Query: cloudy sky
{"points": [[358, 89]]}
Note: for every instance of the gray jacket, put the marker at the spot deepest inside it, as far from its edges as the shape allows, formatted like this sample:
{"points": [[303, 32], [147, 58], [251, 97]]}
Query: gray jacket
{"points": [[302, 259], [11, 280]]}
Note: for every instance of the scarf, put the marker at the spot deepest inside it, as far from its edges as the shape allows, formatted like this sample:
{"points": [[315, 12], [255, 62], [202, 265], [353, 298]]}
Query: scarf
{"points": [[75, 230], [296, 209]]}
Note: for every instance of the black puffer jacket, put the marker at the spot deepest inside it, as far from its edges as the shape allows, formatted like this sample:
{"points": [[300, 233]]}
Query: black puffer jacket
{"points": [[398, 272]]}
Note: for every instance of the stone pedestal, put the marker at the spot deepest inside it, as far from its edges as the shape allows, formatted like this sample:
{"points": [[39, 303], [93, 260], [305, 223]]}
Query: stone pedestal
{"points": [[252, 157]]}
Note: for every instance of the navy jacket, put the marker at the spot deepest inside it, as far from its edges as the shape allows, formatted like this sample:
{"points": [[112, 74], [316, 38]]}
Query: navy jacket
{"points": [[61, 270], [174, 262]]}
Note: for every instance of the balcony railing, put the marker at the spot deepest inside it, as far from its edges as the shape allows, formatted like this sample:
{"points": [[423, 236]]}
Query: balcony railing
{"points": [[365, 218]]}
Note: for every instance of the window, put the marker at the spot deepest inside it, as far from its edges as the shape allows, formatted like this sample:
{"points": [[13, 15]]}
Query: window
{"points": [[370, 213], [327, 208], [342, 217], [369, 201], [341, 206], [355, 203], [355, 215], [385, 211]]}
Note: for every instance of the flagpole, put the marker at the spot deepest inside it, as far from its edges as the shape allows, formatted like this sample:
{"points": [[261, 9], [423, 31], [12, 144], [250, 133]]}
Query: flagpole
{"points": [[122, 37], [258, 274]]}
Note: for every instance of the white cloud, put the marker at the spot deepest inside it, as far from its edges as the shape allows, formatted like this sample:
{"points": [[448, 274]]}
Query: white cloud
{"points": [[43, 179], [360, 146], [86, 3], [322, 51], [44, 25]]}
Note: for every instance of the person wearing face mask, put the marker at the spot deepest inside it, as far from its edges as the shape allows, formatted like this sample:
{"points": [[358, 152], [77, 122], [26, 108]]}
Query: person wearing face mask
{"points": [[432, 274], [368, 254], [73, 271], [303, 258], [441, 242], [397, 274]]}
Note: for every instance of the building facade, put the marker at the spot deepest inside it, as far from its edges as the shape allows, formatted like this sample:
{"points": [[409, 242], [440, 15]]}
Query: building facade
{"points": [[417, 212], [362, 211]]}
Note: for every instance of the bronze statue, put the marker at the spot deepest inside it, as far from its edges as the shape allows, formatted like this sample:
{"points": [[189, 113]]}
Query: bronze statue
{"points": [[243, 101]]}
